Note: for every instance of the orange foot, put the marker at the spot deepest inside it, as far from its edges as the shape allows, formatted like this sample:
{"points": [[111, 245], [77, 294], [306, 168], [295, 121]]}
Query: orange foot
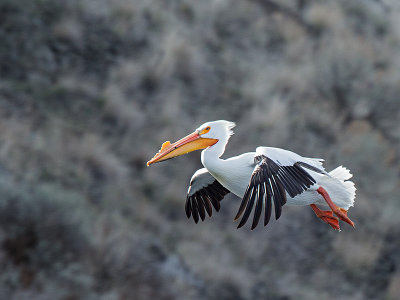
{"points": [[340, 212], [326, 216]]}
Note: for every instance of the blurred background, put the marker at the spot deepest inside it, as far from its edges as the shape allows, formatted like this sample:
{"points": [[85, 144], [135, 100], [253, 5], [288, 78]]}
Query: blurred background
{"points": [[90, 89]]}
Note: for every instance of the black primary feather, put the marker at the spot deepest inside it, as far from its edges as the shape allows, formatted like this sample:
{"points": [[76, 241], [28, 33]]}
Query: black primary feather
{"points": [[202, 201], [271, 181]]}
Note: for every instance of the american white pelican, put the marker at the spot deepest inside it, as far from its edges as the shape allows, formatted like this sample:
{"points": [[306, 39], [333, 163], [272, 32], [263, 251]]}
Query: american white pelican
{"points": [[269, 177]]}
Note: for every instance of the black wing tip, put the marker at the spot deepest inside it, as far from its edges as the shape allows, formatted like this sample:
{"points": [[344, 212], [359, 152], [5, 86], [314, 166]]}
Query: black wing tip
{"points": [[206, 202], [238, 215], [253, 226], [259, 206], [278, 181], [240, 225], [200, 204], [188, 207], [248, 193]]}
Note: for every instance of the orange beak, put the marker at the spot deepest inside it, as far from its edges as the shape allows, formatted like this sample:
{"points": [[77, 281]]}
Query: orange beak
{"points": [[189, 143]]}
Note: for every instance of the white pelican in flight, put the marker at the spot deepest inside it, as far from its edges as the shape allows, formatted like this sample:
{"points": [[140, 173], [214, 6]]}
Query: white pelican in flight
{"points": [[265, 179]]}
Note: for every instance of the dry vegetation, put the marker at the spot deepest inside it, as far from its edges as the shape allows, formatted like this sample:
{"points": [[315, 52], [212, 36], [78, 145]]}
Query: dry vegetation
{"points": [[89, 90]]}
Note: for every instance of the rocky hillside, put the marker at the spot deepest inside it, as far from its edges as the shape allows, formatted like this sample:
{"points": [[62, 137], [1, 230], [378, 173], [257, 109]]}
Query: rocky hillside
{"points": [[90, 89]]}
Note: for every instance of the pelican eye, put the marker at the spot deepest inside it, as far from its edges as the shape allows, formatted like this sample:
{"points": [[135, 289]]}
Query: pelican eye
{"points": [[205, 130]]}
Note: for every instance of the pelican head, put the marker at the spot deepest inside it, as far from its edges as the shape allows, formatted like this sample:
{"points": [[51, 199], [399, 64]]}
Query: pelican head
{"points": [[206, 135]]}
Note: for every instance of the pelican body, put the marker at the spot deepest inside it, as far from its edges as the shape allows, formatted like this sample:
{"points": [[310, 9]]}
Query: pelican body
{"points": [[266, 179]]}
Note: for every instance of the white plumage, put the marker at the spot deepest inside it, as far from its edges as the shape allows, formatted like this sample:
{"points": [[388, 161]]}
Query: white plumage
{"points": [[268, 177]]}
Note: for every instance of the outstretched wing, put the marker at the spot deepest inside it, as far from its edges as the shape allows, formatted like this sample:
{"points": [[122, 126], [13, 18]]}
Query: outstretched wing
{"points": [[203, 193], [274, 176]]}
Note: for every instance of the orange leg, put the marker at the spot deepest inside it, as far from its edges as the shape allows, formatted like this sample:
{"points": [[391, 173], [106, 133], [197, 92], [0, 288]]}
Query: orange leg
{"points": [[326, 216], [340, 212]]}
